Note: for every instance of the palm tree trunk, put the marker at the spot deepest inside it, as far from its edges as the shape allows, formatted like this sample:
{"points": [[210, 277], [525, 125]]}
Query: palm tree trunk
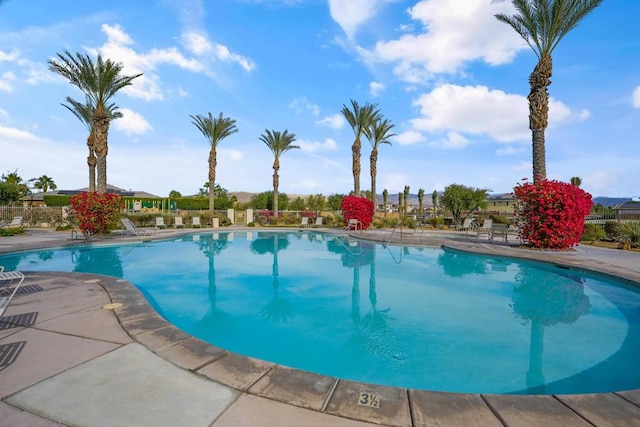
{"points": [[538, 98], [212, 179], [373, 160], [356, 166], [276, 182], [101, 128], [91, 161]]}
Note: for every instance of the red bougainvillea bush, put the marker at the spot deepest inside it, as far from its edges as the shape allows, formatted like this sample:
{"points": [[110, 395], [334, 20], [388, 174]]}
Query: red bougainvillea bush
{"points": [[551, 213], [359, 208], [96, 213]]}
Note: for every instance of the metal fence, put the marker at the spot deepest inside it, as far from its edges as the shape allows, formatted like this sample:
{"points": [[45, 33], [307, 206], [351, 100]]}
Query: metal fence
{"points": [[34, 216]]}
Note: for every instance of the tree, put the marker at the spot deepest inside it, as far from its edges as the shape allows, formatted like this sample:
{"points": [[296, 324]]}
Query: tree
{"points": [[542, 24], [175, 194], [377, 133], [279, 143], [214, 130], [316, 202], [264, 200], [44, 183], [12, 188], [99, 81], [459, 200], [360, 119], [406, 200], [421, 202], [298, 204], [84, 113], [385, 200], [434, 199], [400, 203], [576, 180], [334, 201]]}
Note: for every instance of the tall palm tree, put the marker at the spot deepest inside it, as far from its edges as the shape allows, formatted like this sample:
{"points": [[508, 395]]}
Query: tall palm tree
{"points": [[421, 203], [360, 119], [576, 180], [378, 133], [214, 130], [279, 143], [542, 24], [99, 81], [84, 113]]}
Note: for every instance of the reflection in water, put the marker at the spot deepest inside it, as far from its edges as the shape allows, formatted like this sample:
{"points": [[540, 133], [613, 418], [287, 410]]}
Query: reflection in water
{"points": [[457, 264], [99, 260], [278, 309], [558, 299], [215, 319]]}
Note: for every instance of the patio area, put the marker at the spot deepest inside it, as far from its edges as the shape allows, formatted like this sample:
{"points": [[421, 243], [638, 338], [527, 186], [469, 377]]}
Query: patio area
{"points": [[89, 350]]}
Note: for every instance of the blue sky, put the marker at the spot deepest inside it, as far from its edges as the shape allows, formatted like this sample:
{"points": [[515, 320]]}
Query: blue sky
{"points": [[450, 77]]}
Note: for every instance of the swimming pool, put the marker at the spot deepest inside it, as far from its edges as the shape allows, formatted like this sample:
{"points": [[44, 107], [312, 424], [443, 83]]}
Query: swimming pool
{"points": [[419, 318]]}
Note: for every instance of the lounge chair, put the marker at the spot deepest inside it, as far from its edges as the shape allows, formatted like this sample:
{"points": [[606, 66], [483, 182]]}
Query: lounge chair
{"points": [[160, 222], [485, 228], [138, 231], [304, 222], [196, 222], [9, 277], [16, 222], [177, 222], [318, 222], [466, 225], [500, 231]]}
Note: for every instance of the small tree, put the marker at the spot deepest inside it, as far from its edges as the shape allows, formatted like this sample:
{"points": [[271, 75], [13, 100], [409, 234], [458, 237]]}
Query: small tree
{"points": [[461, 200], [96, 213], [334, 201], [360, 208], [421, 202], [551, 214], [576, 180], [434, 199], [385, 200], [406, 200], [400, 204]]}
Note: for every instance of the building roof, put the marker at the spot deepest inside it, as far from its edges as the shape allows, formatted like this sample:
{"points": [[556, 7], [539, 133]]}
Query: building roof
{"points": [[110, 189]]}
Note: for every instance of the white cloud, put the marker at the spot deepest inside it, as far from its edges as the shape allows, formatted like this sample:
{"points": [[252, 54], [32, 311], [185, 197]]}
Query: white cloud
{"points": [[635, 97], [131, 123], [375, 88], [3, 114], [353, 13], [453, 141], [5, 81], [230, 154], [335, 121], [298, 105], [508, 151], [199, 44], [12, 56], [18, 135], [455, 33], [409, 137], [313, 146]]}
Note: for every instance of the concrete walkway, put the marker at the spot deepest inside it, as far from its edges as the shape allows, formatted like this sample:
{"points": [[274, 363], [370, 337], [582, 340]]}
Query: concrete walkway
{"points": [[87, 350]]}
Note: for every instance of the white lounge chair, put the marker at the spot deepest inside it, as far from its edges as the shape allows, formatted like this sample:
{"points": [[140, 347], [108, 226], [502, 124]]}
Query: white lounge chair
{"points": [[353, 224], [485, 228], [500, 231], [15, 223], [466, 225], [9, 277], [138, 231], [177, 222], [304, 222], [160, 222], [318, 222], [196, 222]]}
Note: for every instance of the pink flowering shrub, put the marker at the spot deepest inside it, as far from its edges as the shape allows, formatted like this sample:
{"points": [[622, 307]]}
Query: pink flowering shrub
{"points": [[551, 213], [359, 208], [97, 213]]}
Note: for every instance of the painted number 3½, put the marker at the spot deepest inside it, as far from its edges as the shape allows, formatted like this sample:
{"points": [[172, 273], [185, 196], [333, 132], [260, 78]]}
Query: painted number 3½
{"points": [[368, 399]]}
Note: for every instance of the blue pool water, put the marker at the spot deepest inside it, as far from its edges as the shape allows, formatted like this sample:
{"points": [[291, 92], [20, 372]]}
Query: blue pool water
{"points": [[420, 318]]}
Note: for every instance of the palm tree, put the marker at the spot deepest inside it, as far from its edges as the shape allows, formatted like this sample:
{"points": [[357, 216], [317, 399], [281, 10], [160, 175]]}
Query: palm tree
{"points": [[214, 130], [576, 180], [385, 200], [400, 204], [421, 202], [84, 113], [378, 133], [279, 143], [434, 199], [360, 119], [99, 81], [406, 200], [43, 183], [542, 24]]}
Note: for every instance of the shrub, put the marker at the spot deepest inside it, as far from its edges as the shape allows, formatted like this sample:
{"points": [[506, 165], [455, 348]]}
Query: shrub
{"points": [[551, 213], [499, 219], [436, 222], [612, 230], [592, 233], [5, 232], [96, 213], [629, 231], [359, 208], [251, 224]]}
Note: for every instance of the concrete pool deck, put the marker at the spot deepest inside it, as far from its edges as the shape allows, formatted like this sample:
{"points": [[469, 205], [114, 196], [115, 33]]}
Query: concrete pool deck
{"points": [[88, 350]]}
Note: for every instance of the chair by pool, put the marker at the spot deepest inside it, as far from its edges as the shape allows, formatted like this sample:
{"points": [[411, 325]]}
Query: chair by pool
{"points": [[196, 222], [160, 222], [138, 231], [304, 222], [485, 228], [318, 222], [15, 223], [9, 277], [177, 222]]}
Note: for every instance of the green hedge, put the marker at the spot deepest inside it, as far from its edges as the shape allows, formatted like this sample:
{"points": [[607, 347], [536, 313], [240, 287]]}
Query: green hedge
{"points": [[56, 201]]}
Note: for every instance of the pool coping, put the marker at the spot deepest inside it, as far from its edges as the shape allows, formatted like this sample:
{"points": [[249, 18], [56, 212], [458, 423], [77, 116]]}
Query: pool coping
{"points": [[398, 406]]}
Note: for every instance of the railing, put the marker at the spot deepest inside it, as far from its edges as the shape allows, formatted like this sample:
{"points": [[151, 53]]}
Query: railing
{"points": [[34, 216]]}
